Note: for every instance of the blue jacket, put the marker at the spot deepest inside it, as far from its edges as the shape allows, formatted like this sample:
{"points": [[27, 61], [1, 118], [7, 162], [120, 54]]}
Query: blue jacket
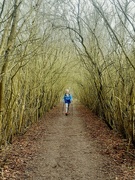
{"points": [[67, 99]]}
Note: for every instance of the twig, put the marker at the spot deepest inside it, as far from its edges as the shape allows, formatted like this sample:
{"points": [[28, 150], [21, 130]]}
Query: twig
{"points": [[131, 154]]}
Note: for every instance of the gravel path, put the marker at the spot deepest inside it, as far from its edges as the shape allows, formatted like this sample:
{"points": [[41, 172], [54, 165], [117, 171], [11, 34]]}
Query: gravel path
{"points": [[66, 152]]}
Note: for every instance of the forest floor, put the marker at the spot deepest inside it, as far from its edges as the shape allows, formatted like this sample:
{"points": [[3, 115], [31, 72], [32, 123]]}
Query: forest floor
{"points": [[79, 146]]}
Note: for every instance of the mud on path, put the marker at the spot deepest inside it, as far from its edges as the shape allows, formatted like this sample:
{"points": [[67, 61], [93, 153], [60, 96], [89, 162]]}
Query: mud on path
{"points": [[74, 147]]}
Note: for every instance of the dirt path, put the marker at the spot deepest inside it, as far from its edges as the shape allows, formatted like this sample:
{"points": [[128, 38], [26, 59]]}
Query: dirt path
{"points": [[75, 147], [66, 153]]}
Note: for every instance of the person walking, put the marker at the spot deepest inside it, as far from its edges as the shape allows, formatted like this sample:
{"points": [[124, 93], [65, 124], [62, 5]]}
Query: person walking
{"points": [[67, 100]]}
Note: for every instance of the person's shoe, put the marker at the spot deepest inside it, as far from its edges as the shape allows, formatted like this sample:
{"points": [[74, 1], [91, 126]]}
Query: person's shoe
{"points": [[66, 114]]}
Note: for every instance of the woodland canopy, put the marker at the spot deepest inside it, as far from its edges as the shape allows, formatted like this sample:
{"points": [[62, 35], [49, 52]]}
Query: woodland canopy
{"points": [[47, 46]]}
